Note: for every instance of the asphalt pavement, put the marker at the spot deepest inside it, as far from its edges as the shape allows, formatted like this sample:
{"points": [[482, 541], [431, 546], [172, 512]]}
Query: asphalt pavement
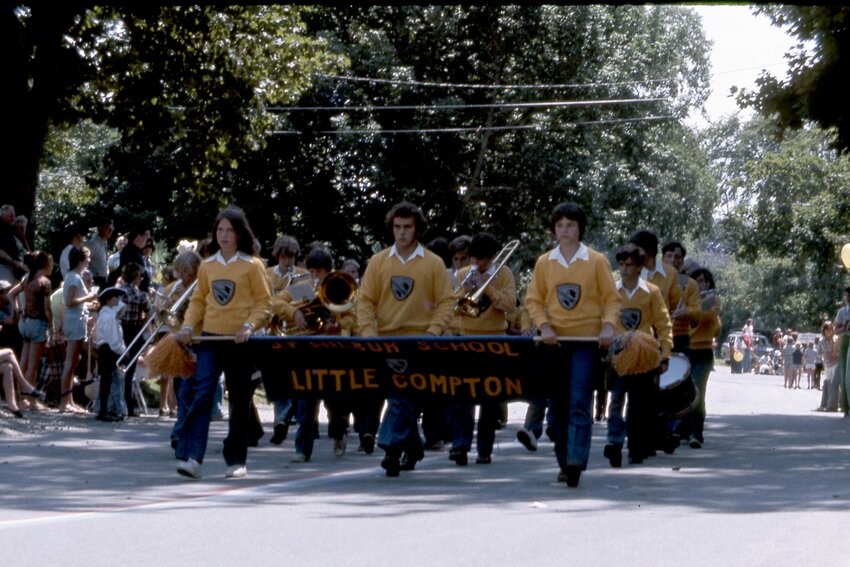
{"points": [[770, 486]]}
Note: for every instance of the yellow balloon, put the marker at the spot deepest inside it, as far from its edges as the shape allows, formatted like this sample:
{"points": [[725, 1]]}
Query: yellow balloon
{"points": [[845, 255]]}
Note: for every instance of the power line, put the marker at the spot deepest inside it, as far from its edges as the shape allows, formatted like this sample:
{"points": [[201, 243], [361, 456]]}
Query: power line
{"points": [[553, 104], [466, 129], [491, 87]]}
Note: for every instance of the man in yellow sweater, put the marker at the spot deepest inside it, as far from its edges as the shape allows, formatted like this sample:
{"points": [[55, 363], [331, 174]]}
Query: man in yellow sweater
{"points": [[687, 312], [663, 275], [685, 317], [572, 293], [643, 309], [405, 291], [666, 277], [496, 303], [285, 250], [232, 299]]}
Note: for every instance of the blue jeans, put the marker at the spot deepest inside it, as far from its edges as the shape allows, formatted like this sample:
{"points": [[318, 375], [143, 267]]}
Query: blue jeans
{"points": [[641, 421], [463, 423], [399, 429], [702, 363], [283, 410], [616, 404], [306, 415], [570, 370], [199, 392], [535, 416]]}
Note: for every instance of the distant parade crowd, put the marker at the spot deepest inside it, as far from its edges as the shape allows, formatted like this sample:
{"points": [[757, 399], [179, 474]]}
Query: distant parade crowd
{"points": [[636, 351]]}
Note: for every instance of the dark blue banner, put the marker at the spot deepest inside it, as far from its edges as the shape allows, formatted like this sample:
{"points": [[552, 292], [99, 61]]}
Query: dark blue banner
{"points": [[457, 368]]}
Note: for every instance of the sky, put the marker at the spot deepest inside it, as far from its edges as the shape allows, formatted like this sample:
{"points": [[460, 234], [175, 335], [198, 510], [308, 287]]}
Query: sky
{"points": [[744, 44]]}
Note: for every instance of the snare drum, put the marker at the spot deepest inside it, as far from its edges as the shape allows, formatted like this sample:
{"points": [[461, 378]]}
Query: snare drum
{"points": [[678, 395]]}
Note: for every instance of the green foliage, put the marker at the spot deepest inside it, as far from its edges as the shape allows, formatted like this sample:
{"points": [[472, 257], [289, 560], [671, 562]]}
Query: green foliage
{"points": [[507, 180], [188, 87], [786, 219], [66, 197], [816, 87]]}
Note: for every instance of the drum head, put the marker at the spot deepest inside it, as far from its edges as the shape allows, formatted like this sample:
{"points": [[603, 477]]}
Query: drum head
{"points": [[738, 356], [677, 370]]}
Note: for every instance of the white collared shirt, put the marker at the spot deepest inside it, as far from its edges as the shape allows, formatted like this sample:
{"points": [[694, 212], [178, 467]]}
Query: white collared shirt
{"points": [[581, 254], [419, 251], [217, 257], [641, 284], [659, 269]]}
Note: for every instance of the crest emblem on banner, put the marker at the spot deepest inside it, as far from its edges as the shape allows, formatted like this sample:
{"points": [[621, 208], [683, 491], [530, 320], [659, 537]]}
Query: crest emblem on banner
{"points": [[397, 365], [401, 287], [223, 291], [568, 295], [630, 318]]}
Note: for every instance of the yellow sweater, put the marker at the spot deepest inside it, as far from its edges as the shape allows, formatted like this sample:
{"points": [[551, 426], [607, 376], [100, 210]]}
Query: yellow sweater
{"points": [[228, 296], [575, 301], [646, 311], [499, 298], [668, 283], [709, 324], [398, 298], [690, 301], [278, 283]]}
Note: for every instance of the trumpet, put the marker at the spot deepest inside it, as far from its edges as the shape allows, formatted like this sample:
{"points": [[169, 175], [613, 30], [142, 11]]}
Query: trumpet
{"points": [[164, 318], [469, 304]]}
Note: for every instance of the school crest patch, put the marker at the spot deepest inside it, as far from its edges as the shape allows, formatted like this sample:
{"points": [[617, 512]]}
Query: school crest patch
{"points": [[397, 365], [401, 287], [223, 291], [630, 318], [568, 295]]}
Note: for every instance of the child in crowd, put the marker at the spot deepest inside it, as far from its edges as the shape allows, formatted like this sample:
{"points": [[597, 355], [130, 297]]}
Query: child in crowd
{"points": [[109, 340], [797, 358], [811, 357], [787, 362]]}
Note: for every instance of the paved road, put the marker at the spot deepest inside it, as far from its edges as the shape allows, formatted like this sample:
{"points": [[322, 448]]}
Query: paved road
{"points": [[771, 486]]}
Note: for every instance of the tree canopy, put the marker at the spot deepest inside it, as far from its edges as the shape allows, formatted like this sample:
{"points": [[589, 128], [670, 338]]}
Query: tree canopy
{"points": [[779, 239], [816, 87], [209, 105]]}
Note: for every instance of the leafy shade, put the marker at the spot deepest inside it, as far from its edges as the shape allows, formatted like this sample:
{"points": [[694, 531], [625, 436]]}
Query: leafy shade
{"points": [[817, 87]]}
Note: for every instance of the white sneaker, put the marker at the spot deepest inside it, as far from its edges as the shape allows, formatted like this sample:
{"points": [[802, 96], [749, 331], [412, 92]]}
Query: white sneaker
{"points": [[190, 468], [300, 458], [236, 471], [339, 447], [527, 438]]}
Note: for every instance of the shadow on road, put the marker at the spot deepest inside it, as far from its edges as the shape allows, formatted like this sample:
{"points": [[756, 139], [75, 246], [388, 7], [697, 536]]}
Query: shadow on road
{"points": [[749, 464]]}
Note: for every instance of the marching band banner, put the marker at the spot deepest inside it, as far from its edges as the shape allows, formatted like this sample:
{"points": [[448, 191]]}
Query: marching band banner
{"points": [[474, 369]]}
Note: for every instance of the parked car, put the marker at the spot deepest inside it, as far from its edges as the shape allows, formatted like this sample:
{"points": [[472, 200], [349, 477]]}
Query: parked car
{"points": [[761, 346]]}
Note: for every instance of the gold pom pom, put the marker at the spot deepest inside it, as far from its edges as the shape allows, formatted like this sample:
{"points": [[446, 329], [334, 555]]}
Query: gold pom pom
{"points": [[170, 358], [635, 352]]}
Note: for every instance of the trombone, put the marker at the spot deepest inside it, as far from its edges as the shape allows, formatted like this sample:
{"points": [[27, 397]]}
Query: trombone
{"points": [[164, 317], [469, 304]]}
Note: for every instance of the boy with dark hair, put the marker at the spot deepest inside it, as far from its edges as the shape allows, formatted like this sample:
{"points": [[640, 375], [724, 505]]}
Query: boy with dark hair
{"points": [[495, 304], [572, 293], [405, 290], [643, 309]]}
